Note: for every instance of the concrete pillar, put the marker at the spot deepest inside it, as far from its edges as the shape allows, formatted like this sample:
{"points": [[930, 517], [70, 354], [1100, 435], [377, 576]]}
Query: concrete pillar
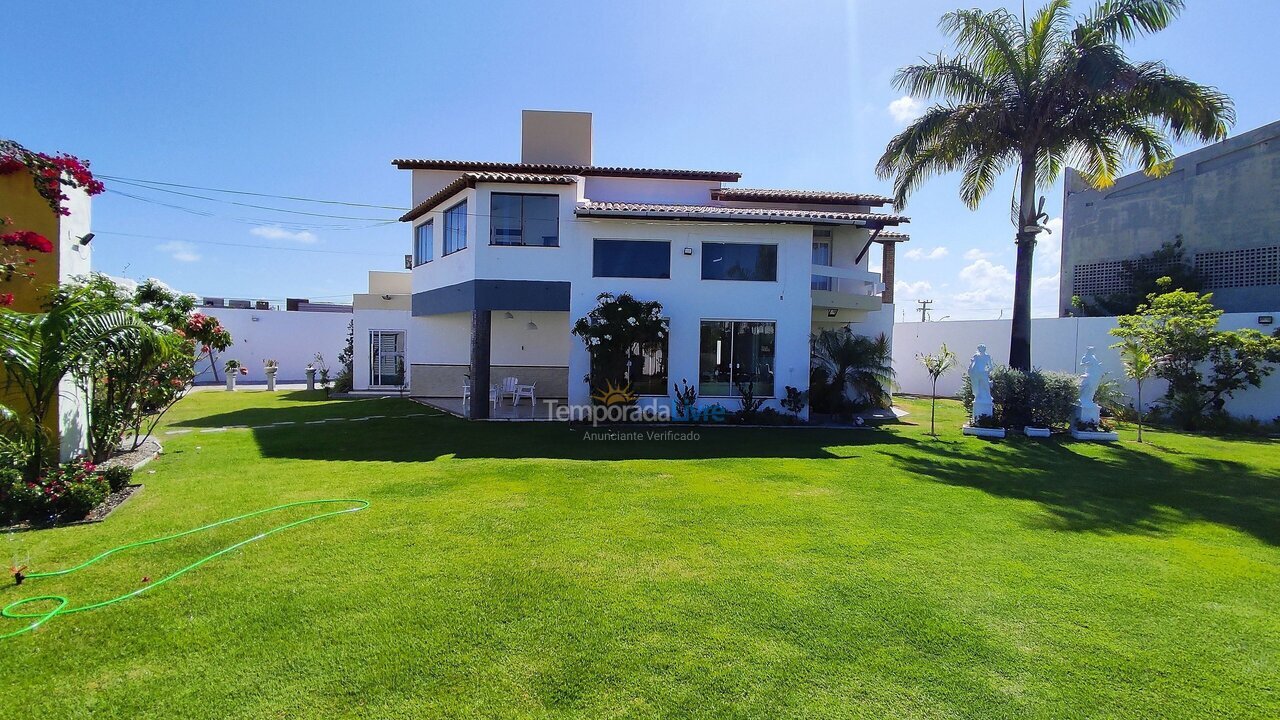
{"points": [[481, 333], [886, 271]]}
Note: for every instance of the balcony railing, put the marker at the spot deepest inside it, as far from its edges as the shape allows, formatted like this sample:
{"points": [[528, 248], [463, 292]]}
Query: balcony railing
{"points": [[848, 281]]}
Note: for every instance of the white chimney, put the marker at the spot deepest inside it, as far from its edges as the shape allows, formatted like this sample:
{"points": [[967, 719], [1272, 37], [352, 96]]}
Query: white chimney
{"points": [[553, 137]]}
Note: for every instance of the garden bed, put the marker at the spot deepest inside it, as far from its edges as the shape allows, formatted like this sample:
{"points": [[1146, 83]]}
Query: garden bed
{"points": [[132, 459]]}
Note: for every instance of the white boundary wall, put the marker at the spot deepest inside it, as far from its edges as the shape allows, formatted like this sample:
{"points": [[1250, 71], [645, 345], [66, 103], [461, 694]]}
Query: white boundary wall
{"points": [[290, 338], [1056, 344]]}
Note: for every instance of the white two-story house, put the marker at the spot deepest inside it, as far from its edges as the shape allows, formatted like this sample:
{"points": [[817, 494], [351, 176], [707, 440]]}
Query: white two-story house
{"points": [[506, 256]]}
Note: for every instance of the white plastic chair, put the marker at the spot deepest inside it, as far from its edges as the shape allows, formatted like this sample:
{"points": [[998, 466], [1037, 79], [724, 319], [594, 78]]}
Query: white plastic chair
{"points": [[466, 396], [509, 385], [524, 391]]}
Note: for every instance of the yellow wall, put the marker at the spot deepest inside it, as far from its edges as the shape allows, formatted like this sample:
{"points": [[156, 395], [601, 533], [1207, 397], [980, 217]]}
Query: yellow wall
{"points": [[20, 202]]}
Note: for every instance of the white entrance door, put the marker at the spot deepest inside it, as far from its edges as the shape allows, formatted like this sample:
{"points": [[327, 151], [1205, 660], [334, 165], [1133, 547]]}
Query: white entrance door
{"points": [[386, 358]]}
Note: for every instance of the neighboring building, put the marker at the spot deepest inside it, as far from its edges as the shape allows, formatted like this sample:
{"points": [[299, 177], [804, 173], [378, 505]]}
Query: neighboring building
{"points": [[1221, 201], [380, 332], [508, 255], [71, 238]]}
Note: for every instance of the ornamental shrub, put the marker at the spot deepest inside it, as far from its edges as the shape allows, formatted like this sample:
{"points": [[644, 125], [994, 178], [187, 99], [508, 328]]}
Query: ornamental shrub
{"points": [[118, 477], [1036, 398], [82, 495]]}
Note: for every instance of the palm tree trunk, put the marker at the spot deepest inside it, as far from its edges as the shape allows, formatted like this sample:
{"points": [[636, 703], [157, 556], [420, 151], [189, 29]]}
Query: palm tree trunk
{"points": [[1020, 338]]}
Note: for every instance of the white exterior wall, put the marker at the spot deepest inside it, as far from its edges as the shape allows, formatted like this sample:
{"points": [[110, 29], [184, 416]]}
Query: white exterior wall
{"points": [[365, 321], [1056, 344], [291, 338], [653, 190], [687, 299], [74, 260]]}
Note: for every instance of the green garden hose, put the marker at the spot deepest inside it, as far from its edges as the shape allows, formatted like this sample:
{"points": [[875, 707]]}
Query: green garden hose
{"points": [[10, 611]]}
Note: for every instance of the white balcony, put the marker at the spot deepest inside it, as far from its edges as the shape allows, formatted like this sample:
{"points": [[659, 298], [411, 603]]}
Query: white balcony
{"points": [[844, 294]]}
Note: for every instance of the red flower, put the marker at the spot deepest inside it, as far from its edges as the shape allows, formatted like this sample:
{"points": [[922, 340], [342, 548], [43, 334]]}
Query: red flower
{"points": [[28, 239], [6, 299]]}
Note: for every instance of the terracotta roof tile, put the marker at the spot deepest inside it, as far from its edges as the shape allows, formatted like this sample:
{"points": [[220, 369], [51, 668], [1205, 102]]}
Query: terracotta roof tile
{"points": [[822, 197], [597, 170], [734, 214], [469, 179]]}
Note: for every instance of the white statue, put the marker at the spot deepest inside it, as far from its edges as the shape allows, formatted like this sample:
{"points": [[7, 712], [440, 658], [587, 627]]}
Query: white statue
{"points": [[980, 381], [1086, 409]]}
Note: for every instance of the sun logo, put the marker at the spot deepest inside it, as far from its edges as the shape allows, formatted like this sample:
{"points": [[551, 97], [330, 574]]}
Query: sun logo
{"points": [[614, 394]]}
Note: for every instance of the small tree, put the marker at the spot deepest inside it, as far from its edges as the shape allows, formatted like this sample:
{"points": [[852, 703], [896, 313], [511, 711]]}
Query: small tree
{"points": [[1137, 367], [937, 366], [617, 329], [1178, 329]]}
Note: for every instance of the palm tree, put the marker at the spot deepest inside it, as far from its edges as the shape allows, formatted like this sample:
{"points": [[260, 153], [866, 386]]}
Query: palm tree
{"points": [[855, 361], [40, 349], [1038, 96], [937, 366]]}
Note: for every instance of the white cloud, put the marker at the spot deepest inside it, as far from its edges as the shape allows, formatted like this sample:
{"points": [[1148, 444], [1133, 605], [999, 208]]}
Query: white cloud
{"points": [[179, 250], [983, 273], [922, 254], [275, 232], [911, 290], [905, 109], [1044, 296], [976, 254]]}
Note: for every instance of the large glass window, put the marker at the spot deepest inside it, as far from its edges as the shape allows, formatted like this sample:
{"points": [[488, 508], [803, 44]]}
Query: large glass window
{"points": [[518, 219], [455, 228], [739, 261], [646, 370], [631, 258], [422, 243], [732, 352]]}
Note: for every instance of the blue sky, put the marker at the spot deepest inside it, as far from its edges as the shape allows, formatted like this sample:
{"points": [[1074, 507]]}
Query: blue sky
{"points": [[315, 99]]}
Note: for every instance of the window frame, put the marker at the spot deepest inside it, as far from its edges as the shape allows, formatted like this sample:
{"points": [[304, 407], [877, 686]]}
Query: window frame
{"points": [[733, 323], [445, 251], [429, 226], [703, 261], [594, 247], [523, 234]]}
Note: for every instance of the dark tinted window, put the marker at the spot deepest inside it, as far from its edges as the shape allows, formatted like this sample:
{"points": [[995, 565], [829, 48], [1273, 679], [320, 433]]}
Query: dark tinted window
{"points": [[739, 261], [455, 228], [422, 243], [631, 258], [518, 219]]}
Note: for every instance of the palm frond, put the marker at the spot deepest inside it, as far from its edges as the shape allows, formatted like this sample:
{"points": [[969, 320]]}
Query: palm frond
{"points": [[1125, 20], [952, 78]]}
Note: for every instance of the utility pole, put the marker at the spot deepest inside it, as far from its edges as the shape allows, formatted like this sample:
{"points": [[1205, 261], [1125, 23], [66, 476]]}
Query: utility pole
{"points": [[924, 309]]}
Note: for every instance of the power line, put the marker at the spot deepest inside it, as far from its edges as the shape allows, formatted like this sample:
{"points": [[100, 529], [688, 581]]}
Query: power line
{"points": [[251, 205], [248, 245], [253, 194], [250, 221]]}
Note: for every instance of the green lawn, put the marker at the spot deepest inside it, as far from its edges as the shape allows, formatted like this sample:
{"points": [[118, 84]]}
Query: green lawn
{"points": [[518, 570]]}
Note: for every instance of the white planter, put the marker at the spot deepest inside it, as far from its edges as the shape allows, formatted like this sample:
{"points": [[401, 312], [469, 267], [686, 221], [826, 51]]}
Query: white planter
{"points": [[1037, 432], [1098, 436], [982, 432], [231, 381], [271, 381]]}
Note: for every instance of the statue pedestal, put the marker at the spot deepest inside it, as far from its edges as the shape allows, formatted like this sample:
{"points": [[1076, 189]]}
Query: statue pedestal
{"points": [[1086, 413], [982, 408]]}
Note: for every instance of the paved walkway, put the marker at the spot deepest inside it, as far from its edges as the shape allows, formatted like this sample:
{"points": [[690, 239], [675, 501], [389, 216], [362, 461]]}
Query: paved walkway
{"points": [[291, 423]]}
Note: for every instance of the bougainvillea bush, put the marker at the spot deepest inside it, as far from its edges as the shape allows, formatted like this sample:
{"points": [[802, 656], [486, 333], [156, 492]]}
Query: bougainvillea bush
{"points": [[49, 173]]}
